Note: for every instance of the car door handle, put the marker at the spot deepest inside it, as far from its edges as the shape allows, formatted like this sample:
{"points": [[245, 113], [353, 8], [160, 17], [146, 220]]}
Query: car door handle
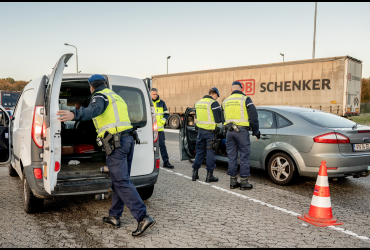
{"points": [[265, 136]]}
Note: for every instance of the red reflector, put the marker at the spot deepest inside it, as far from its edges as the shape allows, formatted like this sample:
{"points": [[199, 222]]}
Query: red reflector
{"points": [[364, 131], [38, 173], [57, 166], [157, 163], [332, 168]]}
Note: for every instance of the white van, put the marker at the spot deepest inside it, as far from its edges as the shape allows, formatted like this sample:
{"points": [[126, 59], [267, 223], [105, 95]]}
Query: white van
{"points": [[39, 147]]}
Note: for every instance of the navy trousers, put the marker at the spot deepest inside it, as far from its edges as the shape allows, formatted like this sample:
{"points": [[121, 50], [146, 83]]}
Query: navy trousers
{"points": [[162, 147], [203, 139], [124, 192], [238, 142]]}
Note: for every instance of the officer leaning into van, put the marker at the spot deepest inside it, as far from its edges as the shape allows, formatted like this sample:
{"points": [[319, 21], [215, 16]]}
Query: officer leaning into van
{"points": [[162, 115], [110, 115], [240, 117], [209, 113]]}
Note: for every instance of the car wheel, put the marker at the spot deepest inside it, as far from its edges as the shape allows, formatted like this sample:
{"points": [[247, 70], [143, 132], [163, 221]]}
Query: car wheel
{"points": [[31, 204], [146, 193], [174, 122], [12, 171], [281, 169]]}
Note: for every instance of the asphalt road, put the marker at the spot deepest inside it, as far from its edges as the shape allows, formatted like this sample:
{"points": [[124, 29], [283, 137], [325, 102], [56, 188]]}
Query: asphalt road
{"points": [[193, 214]]}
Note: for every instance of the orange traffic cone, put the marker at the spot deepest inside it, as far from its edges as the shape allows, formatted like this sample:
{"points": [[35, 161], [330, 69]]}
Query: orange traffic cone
{"points": [[320, 213]]}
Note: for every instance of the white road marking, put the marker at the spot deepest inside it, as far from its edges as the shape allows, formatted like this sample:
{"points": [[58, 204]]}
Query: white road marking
{"points": [[176, 131], [339, 229]]}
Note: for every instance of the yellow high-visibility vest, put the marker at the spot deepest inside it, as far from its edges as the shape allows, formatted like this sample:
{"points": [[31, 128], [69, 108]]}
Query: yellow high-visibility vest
{"points": [[204, 114], [115, 117], [235, 110]]}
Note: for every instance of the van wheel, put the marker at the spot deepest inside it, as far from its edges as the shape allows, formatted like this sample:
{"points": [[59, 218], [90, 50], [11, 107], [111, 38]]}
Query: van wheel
{"points": [[12, 171], [31, 204], [281, 169], [146, 193], [174, 122]]}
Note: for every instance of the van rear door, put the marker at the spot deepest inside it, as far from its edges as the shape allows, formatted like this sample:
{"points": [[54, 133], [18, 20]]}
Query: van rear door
{"points": [[187, 137], [52, 140], [4, 137]]}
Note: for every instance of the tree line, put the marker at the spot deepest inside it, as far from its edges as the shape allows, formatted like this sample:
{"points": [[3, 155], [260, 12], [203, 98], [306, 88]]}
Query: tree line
{"points": [[11, 85]]}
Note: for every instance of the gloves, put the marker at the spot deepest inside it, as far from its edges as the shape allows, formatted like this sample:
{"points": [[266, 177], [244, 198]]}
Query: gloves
{"points": [[259, 135], [217, 130]]}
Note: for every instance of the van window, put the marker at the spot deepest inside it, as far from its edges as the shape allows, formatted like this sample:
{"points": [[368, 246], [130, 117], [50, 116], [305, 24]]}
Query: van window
{"points": [[135, 101]]}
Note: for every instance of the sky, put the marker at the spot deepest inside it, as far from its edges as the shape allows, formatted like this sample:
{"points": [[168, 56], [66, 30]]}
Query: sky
{"points": [[134, 39]]}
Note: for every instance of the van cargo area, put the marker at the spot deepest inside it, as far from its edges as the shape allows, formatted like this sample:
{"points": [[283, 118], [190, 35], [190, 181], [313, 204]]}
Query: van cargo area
{"points": [[79, 141]]}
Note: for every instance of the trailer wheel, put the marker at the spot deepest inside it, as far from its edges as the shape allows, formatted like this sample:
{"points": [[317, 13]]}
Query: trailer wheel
{"points": [[174, 122]]}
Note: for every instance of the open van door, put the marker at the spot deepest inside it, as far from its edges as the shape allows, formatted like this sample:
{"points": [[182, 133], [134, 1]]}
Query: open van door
{"points": [[4, 136], [52, 126], [187, 137]]}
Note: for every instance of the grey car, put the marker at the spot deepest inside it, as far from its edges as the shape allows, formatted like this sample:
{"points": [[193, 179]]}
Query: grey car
{"points": [[294, 141]]}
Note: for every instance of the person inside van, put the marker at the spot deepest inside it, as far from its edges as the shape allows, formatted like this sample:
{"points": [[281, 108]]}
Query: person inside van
{"points": [[110, 115]]}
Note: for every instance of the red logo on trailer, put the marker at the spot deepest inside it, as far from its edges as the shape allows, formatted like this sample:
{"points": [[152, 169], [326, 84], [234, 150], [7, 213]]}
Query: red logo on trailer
{"points": [[248, 86], [349, 76]]}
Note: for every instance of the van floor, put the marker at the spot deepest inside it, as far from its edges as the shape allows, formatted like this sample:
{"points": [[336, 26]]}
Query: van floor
{"points": [[82, 170]]}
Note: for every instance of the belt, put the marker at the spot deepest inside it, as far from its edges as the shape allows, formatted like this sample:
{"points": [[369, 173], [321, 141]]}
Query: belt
{"points": [[243, 127], [123, 134], [212, 130]]}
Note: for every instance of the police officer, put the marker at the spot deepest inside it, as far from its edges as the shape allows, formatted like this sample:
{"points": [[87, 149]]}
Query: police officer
{"points": [[109, 113], [162, 115], [209, 113], [240, 112]]}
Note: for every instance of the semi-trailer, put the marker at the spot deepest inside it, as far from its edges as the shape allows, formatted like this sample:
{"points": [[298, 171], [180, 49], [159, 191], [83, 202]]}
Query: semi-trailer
{"points": [[330, 84]]}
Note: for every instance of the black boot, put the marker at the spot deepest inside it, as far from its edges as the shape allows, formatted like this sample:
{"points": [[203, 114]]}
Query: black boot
{"points": [[210, 177], [195, 175], [234, 182], [167, 165], [244, 185], [144, 225], [115, 221]]}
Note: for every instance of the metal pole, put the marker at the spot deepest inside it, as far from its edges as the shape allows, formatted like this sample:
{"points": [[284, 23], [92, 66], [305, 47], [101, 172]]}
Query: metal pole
{"points": [[76, 60], [314, 32]]}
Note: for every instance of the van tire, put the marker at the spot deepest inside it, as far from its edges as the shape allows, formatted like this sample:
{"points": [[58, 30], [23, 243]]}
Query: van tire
{"points": [[146, 193], [31, 204], [290, 169], [174, 122], [12, 171]]}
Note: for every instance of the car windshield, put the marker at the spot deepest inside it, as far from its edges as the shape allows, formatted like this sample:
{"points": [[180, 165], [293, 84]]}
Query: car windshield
{"points": [[324, 119]]}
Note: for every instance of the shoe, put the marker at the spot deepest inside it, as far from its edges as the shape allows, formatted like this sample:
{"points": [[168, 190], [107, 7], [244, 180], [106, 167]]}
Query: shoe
{"points": [[244, 185], [115, 221], [210, 177], [195, 175], [144, 225], [167, 165], [234, 182]]}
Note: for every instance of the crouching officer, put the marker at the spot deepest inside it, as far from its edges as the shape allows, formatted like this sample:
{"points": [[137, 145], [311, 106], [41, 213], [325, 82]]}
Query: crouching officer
{"points": [[110, 115], [209, 113], [240, 116], [162, 115]]}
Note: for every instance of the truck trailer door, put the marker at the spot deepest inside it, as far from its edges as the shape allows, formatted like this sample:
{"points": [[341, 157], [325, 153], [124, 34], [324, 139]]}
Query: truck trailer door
{"points": [[52, 143], [354, 74]]}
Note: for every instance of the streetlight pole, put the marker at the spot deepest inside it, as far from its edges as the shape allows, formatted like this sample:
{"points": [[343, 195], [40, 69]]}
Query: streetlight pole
{"points": [[168, 57], [283, 56], [314, 32], [76, 54]]}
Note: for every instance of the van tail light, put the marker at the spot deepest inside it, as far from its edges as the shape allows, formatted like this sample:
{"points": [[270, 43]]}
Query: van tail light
{"points": [[155, 125], [57, 166], [38, 173], [157, 163], [332, 138], [38, 126]]}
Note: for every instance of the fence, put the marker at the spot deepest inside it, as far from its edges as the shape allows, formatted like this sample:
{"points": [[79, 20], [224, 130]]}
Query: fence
{"points": [[365, 108]]}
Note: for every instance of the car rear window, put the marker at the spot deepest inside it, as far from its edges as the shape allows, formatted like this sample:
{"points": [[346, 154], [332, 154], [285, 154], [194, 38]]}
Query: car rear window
{"points": [[135, 101], [324, 119]]}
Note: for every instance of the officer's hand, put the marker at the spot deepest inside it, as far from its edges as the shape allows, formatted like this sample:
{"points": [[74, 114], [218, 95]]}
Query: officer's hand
{"points": [[65, 115], [259, 135]]}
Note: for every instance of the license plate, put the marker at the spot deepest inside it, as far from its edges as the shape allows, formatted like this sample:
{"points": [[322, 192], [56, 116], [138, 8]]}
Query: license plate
{"points": [[361, 147]]}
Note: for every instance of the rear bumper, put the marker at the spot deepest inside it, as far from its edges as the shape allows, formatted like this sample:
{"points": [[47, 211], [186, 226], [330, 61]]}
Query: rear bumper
{"points": [[97, 186]]}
